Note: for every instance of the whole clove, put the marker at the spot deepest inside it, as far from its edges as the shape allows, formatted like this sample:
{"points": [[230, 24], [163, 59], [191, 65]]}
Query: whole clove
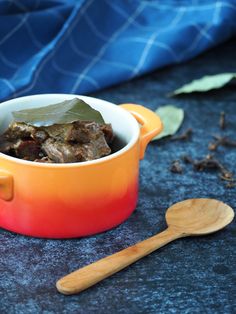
{"points": [[176, 167], [221, 141], [184, 136], [210, 163], [222, 120]]}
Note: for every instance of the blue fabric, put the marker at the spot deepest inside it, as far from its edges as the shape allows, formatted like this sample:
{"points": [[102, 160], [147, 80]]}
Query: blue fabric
{"points": [[80, 46]]}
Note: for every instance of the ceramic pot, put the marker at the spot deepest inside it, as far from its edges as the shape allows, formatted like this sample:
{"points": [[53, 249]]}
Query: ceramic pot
{"points": [[75, 199]]}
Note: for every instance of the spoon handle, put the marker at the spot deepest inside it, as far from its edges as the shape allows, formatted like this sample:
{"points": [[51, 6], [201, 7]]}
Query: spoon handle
{"points": [[88, 276]]}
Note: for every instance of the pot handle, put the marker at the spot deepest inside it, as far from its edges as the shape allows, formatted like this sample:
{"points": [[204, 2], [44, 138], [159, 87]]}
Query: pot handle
{"points": [[6, 186], [150, 121]]}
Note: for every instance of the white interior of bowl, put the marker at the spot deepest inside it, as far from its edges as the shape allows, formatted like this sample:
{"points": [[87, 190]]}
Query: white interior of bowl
{"points": [[124, 124]]}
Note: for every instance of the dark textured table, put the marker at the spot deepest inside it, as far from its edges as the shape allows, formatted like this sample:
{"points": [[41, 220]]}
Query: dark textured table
{"points": [[191, 275]]}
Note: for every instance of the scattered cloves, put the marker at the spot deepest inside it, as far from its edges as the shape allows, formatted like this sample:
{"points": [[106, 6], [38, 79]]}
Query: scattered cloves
{"points": [[209, 162]]}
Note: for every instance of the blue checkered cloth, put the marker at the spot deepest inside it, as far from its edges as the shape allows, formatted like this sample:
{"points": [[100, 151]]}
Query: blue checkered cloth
{"points": [[81, 46]]}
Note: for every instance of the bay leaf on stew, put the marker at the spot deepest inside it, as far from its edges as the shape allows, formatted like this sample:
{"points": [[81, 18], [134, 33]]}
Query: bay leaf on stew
{"points": [[205, 83], [172, 118], [67, 111]]}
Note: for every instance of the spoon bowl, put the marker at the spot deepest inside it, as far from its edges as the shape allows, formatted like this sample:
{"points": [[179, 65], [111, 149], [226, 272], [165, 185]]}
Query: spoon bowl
{"points": [[199, 216]]}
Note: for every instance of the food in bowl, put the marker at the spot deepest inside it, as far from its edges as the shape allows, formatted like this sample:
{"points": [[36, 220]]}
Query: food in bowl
{"points": [[27, 137]]}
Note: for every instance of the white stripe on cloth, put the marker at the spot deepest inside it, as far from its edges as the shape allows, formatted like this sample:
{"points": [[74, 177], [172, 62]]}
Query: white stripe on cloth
{"points": [[151, 42], [94, 29], [7, 62], [74, 74], [12, 88], [104, 47], [65, 33], [87, 56], [196, 40], [15, 29]]}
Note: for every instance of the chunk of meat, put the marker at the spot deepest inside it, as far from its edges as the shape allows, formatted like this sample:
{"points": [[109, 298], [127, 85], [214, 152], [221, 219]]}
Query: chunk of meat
{"points": [[73, 132], [28, 150], [5, 145], [60, 152], [24, 149], [96, 149], [59, 143], [67, 153], [18, 130], [108, 132]]}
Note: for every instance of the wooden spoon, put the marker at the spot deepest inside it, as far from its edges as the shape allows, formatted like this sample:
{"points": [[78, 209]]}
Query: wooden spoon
{"points": [[191, 217]]}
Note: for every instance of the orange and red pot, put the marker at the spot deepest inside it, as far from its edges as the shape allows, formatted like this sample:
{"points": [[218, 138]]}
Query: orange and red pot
{"points": [[76, 199]]}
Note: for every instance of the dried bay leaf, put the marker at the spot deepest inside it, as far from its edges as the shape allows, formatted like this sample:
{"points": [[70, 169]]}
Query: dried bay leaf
{"points": [[67, 111], [172, 118], [205, 83]]}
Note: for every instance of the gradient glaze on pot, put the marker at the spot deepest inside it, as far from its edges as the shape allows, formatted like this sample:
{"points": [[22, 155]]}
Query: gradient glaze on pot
{"points": [[72, 200]]}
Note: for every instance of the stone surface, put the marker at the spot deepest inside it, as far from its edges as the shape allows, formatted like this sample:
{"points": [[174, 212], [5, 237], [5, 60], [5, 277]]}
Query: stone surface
{"points": [[192, 275]]}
